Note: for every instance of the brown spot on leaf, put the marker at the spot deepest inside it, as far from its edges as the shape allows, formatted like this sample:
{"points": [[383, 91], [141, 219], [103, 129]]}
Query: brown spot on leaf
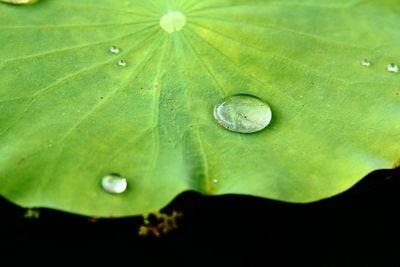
{"points": [[20, 161], [92, 220]]}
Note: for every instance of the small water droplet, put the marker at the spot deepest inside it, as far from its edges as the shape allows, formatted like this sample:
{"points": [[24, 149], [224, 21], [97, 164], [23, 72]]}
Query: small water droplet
{"points": [[243, 113], [172, 21], [215, 181], [114, 49], [122, 63], [366, 63], [393, 68], [114, 183]]}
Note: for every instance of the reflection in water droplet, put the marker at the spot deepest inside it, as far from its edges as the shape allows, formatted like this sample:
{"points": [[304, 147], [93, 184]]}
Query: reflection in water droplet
{"points": [[19, 2], [114, 183], [215, 181], [114, 49], [122, 63], [243, 113], [173, 21], [366, 63], [393, 68]]}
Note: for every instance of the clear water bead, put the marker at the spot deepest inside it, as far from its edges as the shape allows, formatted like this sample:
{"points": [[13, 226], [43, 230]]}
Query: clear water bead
{"points": [[114, 183], [122, 63], [366, 63], [172, 21], [243, 113], [114, 49], [393, 68]]}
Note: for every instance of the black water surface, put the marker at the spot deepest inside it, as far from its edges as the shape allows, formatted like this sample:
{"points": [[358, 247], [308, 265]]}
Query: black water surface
{"points": [[360, 227]]}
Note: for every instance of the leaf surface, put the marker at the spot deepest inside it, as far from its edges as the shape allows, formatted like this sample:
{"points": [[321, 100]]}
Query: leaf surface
{"points": [[69, 115]]}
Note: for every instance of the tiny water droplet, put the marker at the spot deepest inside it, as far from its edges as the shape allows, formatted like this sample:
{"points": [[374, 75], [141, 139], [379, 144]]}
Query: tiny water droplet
{"points": [[122, 63], [243, 113], [172, 21], [114, 49], [366, 63], [215, 181], [393, 68], [19, 2], [114, 183]]}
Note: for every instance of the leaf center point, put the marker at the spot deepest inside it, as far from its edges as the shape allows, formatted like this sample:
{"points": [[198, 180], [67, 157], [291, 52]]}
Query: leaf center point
{"points": [[172, 21]]}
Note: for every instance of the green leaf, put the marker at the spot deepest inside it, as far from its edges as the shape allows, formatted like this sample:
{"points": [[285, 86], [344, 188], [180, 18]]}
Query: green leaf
{"points": [[69, 115]]}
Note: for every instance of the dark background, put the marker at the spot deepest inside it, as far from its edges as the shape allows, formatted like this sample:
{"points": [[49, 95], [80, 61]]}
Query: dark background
{"points": [[359, 227]]}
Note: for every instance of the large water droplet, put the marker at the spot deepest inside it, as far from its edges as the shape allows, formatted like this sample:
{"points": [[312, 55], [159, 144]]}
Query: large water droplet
{"points": [[114, 183], [19, 2], [243, 113], [173, 21], [393, 68], [114, 49]]}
